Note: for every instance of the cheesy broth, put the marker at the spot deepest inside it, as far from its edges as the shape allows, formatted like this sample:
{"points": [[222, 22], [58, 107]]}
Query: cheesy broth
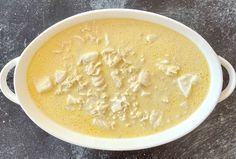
{"points": [[118, 78]]}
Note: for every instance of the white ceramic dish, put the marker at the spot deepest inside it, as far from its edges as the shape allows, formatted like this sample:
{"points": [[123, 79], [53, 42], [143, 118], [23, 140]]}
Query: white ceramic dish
{"points": [[22, 96]]}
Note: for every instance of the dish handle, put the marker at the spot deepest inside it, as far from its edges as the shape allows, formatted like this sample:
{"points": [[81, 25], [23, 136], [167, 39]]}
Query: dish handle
{"points": [[3, 80], [232, 79]]}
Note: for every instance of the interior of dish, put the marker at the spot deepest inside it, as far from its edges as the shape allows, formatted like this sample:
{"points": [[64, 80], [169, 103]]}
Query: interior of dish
{"points": [[118, 78]]}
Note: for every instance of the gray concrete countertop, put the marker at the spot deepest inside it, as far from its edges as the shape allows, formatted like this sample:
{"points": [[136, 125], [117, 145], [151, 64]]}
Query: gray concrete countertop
{"points": [[21, 21]]}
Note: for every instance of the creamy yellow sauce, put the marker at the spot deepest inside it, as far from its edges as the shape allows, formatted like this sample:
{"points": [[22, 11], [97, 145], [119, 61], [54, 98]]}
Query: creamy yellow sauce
{"points": [[145, 46]]}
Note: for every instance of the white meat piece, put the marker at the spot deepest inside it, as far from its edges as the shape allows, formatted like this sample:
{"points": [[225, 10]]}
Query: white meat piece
{"points": [[100, 123], [43, 85], [116, 105], [155, 119], [143, 78], [88, 57], [144, 93], [116, 79], [97, 81], [151, 38], [168, 69], [185, 83], [71, 100], [107, 51], [60, 76]]}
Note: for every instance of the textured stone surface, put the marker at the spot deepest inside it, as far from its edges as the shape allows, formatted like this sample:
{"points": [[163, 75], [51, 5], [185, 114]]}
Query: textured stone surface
{"points": [[21, 21]]}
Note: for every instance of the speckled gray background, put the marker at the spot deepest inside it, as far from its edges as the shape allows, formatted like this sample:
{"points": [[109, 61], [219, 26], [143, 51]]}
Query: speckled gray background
{"points": [[22, 20]]}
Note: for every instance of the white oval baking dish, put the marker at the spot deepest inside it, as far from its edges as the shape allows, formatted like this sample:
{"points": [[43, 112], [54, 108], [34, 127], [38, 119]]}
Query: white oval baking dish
{"points": [[23, 98]]}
